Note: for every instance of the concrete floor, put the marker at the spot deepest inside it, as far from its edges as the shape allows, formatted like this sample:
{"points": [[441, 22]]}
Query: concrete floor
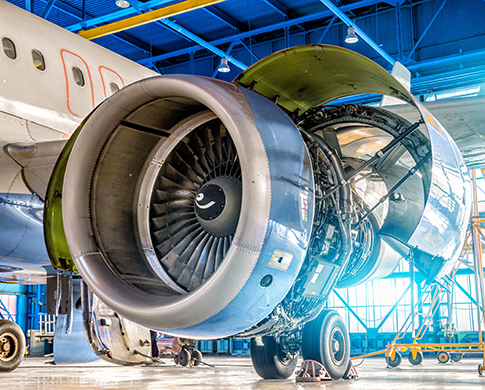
{"points": [[235, 373]]}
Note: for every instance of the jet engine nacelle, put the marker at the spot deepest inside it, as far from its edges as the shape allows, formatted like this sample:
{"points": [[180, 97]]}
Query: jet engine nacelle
{"points": [[188, 205], [206, 209]]}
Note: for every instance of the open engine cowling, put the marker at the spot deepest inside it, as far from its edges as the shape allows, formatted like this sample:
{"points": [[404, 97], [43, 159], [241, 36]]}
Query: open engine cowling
{"points": [[188, 204], [199, 208]]}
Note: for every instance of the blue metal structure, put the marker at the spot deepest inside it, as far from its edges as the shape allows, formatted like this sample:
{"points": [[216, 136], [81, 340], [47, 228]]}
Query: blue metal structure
{"points": [[441, 41], [21, 314], [36, 300]]}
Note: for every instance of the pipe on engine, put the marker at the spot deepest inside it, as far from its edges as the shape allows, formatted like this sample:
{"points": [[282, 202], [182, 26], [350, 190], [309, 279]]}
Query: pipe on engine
{"points": [[345, 195]]}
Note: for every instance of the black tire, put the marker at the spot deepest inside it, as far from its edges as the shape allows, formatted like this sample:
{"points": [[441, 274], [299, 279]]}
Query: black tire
{"points": [[349, 366], [418, 360], [394, 362], [12, 346], [456, 357], [443, 357], [326, 340], [197, 356], [269, 361], [184, 357]]}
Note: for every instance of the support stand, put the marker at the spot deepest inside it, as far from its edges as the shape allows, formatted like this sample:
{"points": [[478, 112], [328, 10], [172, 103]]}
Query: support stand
{"points": [[312, 371], [352, 372]]}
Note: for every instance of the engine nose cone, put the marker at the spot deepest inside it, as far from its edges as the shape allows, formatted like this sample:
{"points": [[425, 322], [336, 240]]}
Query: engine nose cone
{"points": [[210, 202], [218, 204]]}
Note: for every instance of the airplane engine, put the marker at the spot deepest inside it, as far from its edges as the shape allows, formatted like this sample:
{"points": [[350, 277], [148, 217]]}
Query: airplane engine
{"points": [[206, 209], [188, 205]]}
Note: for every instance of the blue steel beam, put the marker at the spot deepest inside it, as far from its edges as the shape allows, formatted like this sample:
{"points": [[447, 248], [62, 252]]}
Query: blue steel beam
{"points": [[405, 275], [327, 29], [201, 42], [338, 11], [468, 295], [22, 309], [426, 29], [261, 30], [283, 11], [250, 51], [47, 9], [400, 54], [6, 311], [393, 308], [218, 14], [350, 309], [112, 16], [140, 9], [121, 36]]}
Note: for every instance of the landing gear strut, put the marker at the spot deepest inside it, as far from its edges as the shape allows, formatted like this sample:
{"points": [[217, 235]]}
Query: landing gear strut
{"points": [[326, 340], [185, 352]]}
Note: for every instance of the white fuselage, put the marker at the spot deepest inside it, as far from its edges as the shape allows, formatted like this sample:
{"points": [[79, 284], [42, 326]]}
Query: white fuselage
{"points": [[50, 79], [44, 105]]}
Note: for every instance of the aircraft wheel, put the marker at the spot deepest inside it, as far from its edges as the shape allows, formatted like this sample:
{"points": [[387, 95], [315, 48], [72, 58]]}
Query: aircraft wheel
{"points": [[326, 340], [12, 346], [443, 357], [456, 357], [394, 362], [184, 357], [197, 357], [269, 361], [418, 360]]}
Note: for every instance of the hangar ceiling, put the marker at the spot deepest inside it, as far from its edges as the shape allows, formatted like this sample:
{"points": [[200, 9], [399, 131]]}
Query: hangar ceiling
{"points": [[442, 42]]}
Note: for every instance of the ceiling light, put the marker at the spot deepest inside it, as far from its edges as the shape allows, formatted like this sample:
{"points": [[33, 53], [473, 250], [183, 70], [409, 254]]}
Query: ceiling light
{"points": [[223, 67], [122, 3], [351, 37]]}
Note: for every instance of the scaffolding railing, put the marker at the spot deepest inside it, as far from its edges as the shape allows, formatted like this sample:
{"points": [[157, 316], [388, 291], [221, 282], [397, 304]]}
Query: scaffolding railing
{"points": [[47, 325], [473, 240]]}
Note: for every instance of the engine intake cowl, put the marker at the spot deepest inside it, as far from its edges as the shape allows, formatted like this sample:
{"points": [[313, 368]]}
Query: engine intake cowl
{"points": [[180, 196]]}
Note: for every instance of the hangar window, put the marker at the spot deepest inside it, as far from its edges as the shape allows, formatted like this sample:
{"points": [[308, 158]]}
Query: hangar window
{"points": [[78, 76], [114, 87], [457, 93], [9, 48], [38, 59]]}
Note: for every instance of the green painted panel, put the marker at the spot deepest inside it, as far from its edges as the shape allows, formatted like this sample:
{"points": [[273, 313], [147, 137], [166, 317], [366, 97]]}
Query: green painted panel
{"points": [[55, 237], [311, 75]]}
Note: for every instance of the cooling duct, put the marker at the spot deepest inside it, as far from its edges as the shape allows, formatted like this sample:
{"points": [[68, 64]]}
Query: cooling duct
{"points": [[188, 205]]}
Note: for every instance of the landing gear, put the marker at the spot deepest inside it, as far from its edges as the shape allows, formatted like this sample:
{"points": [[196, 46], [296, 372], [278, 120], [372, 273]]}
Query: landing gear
{"points": [[196, 357], [415, 361], [185, 352], [394, 362], [12, 346], [326, 340], [443, 357], [184, 357], [269, 360]]}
